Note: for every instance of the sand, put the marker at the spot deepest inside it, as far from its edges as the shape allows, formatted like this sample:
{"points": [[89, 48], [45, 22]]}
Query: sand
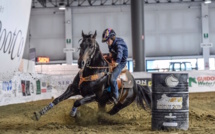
{"points": [[17, 119]]}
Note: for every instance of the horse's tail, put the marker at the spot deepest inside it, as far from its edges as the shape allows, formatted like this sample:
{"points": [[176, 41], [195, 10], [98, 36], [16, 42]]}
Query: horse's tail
{"points": [[143, 94]]}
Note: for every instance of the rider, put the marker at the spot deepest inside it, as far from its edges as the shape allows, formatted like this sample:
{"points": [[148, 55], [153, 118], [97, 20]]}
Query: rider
{"points": [[119, 52]]}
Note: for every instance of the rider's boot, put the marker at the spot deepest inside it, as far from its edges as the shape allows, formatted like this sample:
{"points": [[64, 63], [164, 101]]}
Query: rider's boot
{"points": [[115, 96], [114, 88]]}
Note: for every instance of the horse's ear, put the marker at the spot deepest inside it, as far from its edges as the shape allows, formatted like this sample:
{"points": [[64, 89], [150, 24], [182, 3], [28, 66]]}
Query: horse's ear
{"points": [[95, 34], [83, 35]]}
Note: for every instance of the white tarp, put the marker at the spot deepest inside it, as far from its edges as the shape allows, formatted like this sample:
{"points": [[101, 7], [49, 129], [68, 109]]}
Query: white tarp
{"points": [[14, 21]]}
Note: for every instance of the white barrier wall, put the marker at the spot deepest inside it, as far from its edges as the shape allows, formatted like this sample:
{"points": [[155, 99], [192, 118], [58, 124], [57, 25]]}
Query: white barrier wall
{"points": [[25, 87], [199, 81], [14, 20], [28, 86]]}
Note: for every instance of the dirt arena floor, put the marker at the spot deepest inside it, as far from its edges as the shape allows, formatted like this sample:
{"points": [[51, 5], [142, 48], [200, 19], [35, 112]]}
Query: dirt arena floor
{"points": [[131, 120]]}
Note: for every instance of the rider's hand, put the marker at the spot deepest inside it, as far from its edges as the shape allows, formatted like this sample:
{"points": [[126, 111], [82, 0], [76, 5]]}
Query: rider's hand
{"points": [[114, 64], [110, 55]]}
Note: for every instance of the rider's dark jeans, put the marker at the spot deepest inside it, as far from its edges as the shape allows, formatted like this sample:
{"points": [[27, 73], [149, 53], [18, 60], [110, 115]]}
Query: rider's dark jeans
{"points": [[114, 76]]}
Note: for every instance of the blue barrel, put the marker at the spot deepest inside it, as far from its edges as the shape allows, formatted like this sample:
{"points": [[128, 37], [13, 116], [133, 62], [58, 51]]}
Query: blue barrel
{"points": [[170, 101]]}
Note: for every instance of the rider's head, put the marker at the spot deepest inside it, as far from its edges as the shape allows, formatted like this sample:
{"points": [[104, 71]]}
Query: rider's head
{"points": [[108, 36]]}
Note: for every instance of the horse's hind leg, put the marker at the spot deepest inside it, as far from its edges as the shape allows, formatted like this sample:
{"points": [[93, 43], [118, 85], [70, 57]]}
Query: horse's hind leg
{"points": [[80, 102], [116, 108], [68, 93], [102, 101], [128, 99]]}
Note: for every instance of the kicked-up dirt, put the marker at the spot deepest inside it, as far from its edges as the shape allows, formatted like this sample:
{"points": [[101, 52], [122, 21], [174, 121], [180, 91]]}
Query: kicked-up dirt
{"points": [[17, 118]]}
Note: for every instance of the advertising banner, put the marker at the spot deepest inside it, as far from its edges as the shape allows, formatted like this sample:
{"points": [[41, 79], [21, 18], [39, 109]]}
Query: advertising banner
{"points": [[43, 87], [6, 92], [14, 20], [25, 87], [38, 87], [201, 81], [144, 81]]}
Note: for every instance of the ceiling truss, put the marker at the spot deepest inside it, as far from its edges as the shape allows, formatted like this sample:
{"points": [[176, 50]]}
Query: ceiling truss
{"points": [[79, 3]]}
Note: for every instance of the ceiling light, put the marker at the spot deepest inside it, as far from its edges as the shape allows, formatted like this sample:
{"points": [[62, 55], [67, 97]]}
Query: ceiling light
{"points": [[62, 6], [207, 1]]}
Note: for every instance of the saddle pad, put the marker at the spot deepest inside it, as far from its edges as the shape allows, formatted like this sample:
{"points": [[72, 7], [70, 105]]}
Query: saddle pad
{"points": [[128, 82], [123, 77]]}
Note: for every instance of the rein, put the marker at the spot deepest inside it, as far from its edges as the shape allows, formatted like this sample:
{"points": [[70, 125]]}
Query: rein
{"points": [[91, 67]]}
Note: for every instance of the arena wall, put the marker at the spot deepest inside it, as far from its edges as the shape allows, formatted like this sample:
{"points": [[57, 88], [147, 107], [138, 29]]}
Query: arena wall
{"points": [[29, 86]]}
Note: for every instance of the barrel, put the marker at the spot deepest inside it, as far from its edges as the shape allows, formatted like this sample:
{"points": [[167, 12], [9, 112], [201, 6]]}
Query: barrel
{"points": [[170, 101]]}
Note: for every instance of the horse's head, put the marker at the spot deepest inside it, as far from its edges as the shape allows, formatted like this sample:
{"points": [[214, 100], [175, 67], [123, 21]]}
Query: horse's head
{"points": [[87, 49]]}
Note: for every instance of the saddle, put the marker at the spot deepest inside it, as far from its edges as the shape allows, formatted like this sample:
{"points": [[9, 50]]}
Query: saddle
{"points": [[125, 80]]}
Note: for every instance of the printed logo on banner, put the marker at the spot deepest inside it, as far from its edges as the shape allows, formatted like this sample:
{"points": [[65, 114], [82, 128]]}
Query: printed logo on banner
{"points": [[38, 87], [169, 102], [43, 87], [171, 81], [7, 86], [202, 81], [192, 80], [7, 90], [49, 87], [61, 84], [64, 83], [144, 81], [25, 87]]}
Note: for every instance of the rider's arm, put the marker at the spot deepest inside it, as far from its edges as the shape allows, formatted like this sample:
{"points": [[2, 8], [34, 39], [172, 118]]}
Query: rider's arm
{"points": [[119, 53]]}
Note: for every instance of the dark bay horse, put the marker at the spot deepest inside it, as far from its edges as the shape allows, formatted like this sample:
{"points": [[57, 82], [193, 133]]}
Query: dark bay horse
{"points": [[92, 82]]}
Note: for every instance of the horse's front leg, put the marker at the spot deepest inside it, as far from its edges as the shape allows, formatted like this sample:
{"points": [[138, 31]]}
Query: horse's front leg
{"points": [[71, 91], [80, 102]]}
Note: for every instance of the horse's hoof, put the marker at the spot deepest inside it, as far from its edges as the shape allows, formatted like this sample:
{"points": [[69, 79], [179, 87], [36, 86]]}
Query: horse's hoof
{"points": [[75, 114], [36, 116], [72, 114]]}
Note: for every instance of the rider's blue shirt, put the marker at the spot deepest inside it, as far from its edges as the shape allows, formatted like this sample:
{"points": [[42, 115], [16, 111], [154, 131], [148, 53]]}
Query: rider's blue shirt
{"points": [[119, 50]]}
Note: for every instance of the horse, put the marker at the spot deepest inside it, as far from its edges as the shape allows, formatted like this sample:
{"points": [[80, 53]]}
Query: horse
{"points": [[92, 82]]}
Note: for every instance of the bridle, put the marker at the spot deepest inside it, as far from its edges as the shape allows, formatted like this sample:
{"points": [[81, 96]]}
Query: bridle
{"points": [[91, 56], [94, 76]]}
